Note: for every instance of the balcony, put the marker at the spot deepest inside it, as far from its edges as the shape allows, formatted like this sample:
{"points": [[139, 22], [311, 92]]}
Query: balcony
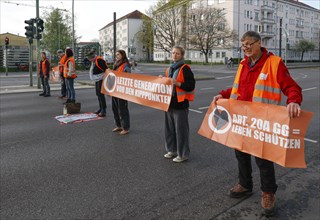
{"points": [[267, 21], [267, 8], [267, 34]]}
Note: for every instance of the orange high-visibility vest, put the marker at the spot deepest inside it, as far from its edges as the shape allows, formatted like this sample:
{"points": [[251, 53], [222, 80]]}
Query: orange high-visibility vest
{"points": [[121, 68], [182, 94], [97, 64], [62, 62], [66, 69], [43, 67], [267, 89]]}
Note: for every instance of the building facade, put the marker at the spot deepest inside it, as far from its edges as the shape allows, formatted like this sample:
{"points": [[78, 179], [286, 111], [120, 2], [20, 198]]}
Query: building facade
{"points": [[127, 29], [299, 21]]}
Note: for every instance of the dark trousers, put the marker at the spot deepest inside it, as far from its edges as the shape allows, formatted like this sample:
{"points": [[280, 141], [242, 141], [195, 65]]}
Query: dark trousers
{"points": [[177, 131], [63, 85], [45, 85], [121, 113], [267, 173], [70, 88], [101, 97]]}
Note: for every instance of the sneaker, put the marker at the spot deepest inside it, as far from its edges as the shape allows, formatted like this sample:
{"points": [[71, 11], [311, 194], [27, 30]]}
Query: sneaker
{"points": [[179, 159], [268, 201], [239, 191], [97, 112], [170, 155], [47, 95], [41, 94]]}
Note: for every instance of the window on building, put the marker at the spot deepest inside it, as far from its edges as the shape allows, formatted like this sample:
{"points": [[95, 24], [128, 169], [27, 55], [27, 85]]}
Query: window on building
{"points": [[217, 54], [194, 6], [256, 16], [223, 54], [256, 2]]}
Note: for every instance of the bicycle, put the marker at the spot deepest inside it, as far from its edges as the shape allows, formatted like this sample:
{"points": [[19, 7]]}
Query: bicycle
{"points": [[230, 65]]}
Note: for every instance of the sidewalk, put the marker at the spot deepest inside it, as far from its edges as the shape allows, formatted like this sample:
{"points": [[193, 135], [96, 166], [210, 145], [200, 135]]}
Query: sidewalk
{"points": [[82, 84], [34, 88]]}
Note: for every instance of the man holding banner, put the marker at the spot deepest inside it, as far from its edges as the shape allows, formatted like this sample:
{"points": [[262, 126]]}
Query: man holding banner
{"points": [[261, 77], [176, 118]]}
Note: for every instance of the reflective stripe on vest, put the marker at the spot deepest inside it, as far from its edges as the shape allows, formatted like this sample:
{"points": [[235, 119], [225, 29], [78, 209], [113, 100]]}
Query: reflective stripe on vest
{"points": [[66, 68], [43, 67], [267, 89], [181, 94]]}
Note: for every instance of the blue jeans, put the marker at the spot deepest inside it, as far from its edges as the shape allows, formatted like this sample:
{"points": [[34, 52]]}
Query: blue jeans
{"points": [[70, 88]]}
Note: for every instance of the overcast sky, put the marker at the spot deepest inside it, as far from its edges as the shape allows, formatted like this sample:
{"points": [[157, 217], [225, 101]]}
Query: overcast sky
{"points": [[90, 15]]}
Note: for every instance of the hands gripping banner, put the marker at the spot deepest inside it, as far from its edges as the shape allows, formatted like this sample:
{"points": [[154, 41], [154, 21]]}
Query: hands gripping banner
{"points": [[151, 91], [262, 130]]}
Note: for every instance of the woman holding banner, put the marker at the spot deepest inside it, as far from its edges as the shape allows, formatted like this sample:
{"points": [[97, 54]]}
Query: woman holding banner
{"points": [[120, 106], [261, 77], [176, 119]]}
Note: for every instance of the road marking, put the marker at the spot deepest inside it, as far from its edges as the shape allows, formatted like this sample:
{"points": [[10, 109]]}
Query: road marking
{"points": [[207, 88], [309, 89], [224, 77], [195, 111], [309, 140], [201, 108]]}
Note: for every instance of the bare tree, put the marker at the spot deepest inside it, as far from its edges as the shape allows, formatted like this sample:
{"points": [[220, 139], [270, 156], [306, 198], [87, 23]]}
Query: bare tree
{"points": [[208, 29], [169, 23]]}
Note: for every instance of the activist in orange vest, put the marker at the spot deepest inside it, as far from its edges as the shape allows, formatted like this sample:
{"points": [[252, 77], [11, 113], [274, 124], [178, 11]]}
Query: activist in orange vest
{"points": [[176, 119], [261, 77], [96, 72], [63, 58], [120, 106], [44, 73], [69, 73]]}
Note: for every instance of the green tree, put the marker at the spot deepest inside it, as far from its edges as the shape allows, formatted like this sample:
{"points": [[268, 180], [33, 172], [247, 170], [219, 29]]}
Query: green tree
{"points": [[57, 32], [304, 46], [146, 36]]}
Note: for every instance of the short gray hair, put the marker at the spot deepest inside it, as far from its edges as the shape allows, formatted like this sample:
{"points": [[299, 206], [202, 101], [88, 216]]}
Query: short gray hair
{"points": [[251, 34]]}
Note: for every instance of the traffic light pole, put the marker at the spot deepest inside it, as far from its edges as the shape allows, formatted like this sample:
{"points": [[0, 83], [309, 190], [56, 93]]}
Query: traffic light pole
{"points": [[38, 44], [30, 64], [6, 60]]}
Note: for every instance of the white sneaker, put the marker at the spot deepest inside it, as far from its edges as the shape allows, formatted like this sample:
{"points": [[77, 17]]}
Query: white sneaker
{"points": [[170, 155], [180, 159]]}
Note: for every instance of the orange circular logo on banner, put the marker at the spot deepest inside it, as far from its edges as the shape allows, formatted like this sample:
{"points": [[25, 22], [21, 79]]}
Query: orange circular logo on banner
{"points": [[219, 120], [111, 82]]}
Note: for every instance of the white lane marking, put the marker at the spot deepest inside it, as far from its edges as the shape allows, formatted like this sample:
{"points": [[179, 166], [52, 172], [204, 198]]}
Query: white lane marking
{"points": [[190, 109], [224, 77], [309, 140], [309, 89], [207, 88], [201, 108]]}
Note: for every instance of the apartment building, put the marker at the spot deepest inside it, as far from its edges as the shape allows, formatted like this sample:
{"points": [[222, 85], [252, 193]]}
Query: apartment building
{"points": [[299, 21], [127, 29]]}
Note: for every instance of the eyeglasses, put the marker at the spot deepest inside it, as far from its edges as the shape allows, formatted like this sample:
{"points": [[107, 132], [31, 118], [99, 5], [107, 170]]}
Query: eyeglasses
{"points": [[247, 46]]}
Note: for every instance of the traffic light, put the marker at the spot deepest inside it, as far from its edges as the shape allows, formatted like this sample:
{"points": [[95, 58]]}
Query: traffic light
{"points": [[40, 28], [6, 40], [30, 29]]}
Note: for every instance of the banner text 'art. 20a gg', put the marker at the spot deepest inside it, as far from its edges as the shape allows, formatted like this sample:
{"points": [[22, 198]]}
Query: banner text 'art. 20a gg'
{"points": [[262, 130]]}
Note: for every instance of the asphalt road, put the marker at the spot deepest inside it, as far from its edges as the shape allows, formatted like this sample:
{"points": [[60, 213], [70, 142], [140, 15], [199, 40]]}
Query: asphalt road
{"points": [[84, 171]]}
